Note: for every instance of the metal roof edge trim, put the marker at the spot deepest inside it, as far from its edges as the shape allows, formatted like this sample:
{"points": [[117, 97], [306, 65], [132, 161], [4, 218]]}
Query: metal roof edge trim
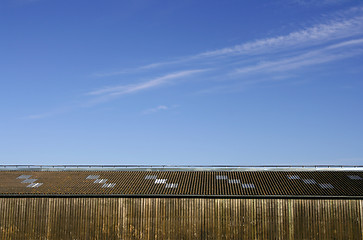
{"points": [[179, 168], [176, 196]]}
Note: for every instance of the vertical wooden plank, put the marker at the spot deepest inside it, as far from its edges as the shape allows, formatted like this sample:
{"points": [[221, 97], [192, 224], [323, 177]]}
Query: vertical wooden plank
{"points": [[3, 204], [360, 206]]}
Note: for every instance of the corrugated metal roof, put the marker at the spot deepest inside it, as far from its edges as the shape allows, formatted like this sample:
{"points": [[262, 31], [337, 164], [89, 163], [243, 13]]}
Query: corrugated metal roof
{"points": [[183, 183]]}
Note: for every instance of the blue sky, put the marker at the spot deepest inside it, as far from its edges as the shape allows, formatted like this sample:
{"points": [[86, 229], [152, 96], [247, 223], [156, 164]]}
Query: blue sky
{"points": [[188, 82]]}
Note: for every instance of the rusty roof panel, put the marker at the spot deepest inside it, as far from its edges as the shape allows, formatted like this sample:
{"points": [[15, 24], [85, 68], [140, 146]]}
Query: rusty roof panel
{"points": [[183, 183]]}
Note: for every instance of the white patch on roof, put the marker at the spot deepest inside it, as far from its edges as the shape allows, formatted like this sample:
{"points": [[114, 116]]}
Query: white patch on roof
{"points": [[354, 177], [33, 185], [29, 180], [151, 177], [109, 185], [100, 181], [248, 185], [221, 177], [160, 181], [326, 185], [291, 177], [234, 181], [93, 177], [24, 177], [309, 181], [171, 185]]}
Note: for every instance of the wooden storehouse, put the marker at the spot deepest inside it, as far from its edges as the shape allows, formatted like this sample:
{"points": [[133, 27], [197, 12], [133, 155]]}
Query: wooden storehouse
{"points": [[166, 202]]}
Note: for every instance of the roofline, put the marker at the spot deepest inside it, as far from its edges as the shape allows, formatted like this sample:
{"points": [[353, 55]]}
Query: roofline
{"points": [[177, 196], [180, 168]]}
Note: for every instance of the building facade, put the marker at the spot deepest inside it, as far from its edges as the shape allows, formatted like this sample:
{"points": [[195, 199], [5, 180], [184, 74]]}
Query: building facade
{"points": [[104, 202]]}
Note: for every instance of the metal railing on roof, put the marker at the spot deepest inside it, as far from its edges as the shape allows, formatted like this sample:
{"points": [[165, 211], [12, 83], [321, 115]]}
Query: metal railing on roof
{"points": [[181, 168]]}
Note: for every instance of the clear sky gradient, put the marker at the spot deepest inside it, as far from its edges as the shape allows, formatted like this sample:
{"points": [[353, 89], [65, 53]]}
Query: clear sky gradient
{"points": [[181, 82]]}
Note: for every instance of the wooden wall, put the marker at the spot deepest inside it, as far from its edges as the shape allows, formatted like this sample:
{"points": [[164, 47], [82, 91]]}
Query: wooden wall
{"points": [[179, 218]]}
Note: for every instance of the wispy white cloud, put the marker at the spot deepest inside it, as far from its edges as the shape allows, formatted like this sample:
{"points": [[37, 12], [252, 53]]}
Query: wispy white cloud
{"points": [[156, 109], [318, 2], [243, 85], [134, 70], [115, 73], [328, 54], [315, 35], [144, 67], [346, 43], [281, 67], [109, 93], [343, 25], [132, 88], [334, 39]]}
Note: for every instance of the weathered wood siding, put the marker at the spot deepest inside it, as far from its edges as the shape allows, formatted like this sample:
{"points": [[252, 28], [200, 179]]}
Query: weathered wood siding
{"points": [[179, 218]]}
